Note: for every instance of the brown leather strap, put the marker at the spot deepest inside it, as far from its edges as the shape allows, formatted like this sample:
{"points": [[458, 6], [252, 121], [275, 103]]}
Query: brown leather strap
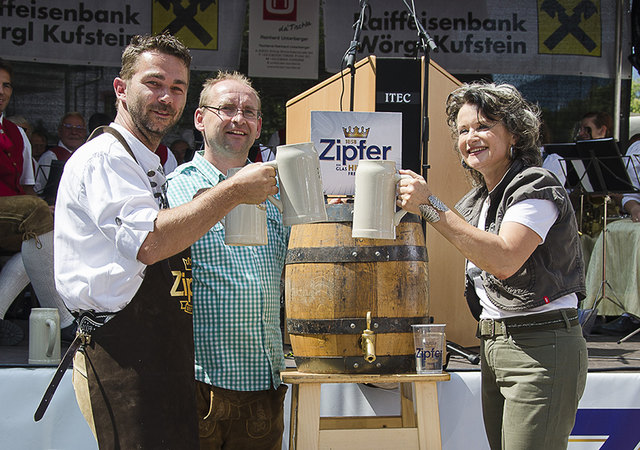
{"points": [[115, 133]]}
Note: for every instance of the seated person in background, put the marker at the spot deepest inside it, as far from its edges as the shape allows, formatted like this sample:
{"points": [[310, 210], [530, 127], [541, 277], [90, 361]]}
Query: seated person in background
{"points": [[631, 202], [26, 227], [39, 144], [592, 125], [72, 132], [595, 125], [97, 120], [180, 149]]}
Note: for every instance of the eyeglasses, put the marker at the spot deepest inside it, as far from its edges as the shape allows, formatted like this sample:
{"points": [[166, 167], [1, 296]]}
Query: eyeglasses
{"points": [[229, 112], [68, 126], [586, 130]]}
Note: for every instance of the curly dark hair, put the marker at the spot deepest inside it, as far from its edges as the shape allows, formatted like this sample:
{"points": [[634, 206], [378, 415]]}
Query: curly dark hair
{"points": [[499, 103]]}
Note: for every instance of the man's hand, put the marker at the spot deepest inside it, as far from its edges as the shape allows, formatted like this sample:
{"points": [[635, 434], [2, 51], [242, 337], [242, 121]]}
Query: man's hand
{"points": [[255, 182]]}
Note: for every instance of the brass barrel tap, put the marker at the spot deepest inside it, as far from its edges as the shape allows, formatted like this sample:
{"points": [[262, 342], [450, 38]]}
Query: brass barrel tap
{"points": [[368, 341]]}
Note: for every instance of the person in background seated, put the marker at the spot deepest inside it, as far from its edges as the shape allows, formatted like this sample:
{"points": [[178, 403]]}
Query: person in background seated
{"points": [[524, 268], [72, 132], [236, 289], [627, 323], [97, 120], [180, 149], [595, 125], [39, 144], [26, 226]]}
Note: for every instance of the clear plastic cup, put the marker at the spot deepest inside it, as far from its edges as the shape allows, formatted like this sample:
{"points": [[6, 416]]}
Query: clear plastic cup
{"points": [[429, 343]]}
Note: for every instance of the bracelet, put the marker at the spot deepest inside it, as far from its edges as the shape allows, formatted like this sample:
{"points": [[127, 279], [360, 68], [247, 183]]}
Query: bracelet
{"points": [[429, 213]]}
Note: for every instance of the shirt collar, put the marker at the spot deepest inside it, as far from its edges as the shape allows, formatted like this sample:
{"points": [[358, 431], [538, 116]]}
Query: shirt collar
{"points": [[210, 172]]}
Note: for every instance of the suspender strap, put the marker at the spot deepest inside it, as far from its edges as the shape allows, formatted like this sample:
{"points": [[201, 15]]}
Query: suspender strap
{"points": [[115, 133]]}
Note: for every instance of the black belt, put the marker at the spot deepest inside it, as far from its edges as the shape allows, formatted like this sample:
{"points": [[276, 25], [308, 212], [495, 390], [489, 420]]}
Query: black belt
{"points": [[561, 318], [88, 321]]}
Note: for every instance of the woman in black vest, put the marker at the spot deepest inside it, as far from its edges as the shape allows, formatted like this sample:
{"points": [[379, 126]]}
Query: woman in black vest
{"points": [[524, 268]]}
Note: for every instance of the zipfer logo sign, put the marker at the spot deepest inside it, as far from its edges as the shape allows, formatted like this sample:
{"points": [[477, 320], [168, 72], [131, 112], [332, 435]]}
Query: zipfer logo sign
{"points": [[195, 24], [570, 27]]}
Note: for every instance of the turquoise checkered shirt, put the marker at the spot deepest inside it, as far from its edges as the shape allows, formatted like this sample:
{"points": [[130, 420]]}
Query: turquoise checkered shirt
{"points": [[236, 294]]}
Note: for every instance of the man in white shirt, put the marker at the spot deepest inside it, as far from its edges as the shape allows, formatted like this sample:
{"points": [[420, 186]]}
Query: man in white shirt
{"points": [[122, 260]]}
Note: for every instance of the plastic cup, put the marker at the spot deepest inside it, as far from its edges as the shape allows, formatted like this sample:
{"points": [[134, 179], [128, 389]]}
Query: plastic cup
{"points": [[429, 343]]}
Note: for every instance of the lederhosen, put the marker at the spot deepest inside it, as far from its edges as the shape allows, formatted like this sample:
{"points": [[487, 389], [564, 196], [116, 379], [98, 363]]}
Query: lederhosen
{"points": [[140, 365]]}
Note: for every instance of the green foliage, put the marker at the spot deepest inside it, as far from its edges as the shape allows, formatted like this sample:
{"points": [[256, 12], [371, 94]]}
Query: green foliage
{"points": [[635, 96]]}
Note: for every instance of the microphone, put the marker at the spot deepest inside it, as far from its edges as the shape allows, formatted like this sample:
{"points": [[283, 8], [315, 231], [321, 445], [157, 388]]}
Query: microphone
{"points": [[350, 57], [472, 357]]}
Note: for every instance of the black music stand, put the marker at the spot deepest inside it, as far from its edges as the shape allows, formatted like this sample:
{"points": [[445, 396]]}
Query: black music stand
{"points": [[50, 190], [607, 173], [566, 151]]}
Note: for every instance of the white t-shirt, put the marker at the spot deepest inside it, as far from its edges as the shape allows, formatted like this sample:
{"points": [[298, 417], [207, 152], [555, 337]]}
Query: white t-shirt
{"points": [[105, 208], [538, 215]]}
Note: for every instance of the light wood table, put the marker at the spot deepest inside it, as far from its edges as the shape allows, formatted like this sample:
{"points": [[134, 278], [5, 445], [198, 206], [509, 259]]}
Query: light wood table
{"points": [[417, 428]]}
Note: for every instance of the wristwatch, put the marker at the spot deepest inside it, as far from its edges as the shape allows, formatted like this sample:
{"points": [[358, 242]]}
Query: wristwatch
{"points": [[430, 212]]}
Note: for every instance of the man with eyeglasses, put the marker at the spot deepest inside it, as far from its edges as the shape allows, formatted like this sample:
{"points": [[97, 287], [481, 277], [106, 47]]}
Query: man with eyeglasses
{"points": [[595, 125], [72, 132], [236, 289]]}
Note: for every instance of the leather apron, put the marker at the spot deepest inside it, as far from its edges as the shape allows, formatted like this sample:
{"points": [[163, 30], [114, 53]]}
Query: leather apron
{"points": [[140, 365]]}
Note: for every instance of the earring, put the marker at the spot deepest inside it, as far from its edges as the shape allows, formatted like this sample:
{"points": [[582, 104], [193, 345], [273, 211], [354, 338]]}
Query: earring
{"points": [[512, 155], [464, 164]]}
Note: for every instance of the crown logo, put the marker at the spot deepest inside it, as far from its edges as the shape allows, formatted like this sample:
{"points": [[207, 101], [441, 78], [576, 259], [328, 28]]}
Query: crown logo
{"points": [[187, 263], [356, 132]]}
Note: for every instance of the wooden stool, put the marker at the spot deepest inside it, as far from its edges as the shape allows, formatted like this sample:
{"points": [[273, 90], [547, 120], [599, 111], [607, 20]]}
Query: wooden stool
{"points": [[419, 430]]}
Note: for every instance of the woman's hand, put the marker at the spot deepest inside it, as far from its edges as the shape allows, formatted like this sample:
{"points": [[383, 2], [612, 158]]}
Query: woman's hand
{"points": [[412, 192]]}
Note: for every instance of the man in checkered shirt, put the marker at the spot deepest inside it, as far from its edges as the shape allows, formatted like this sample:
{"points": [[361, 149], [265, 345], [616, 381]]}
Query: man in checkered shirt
{"points": [[236, 289]]}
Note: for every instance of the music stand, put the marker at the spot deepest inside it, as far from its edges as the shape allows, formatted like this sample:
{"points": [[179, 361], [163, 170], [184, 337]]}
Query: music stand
{"points": [[566, 151], [50, 190], [606, 173]]}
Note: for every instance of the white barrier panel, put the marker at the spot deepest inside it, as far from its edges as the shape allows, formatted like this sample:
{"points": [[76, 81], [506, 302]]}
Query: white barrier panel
{"points": [[608, 416]]}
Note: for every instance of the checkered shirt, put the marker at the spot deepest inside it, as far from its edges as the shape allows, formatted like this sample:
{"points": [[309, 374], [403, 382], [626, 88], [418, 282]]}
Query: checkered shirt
{"points": [[236, 294]]}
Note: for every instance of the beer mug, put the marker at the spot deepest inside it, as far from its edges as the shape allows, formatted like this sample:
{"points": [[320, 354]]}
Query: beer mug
{"points": [[245, 224], [374, 209], [44, 336], [301, 195]]}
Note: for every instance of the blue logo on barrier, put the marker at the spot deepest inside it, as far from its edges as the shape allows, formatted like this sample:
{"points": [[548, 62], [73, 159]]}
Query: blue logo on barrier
{"points": [[620, 425]]}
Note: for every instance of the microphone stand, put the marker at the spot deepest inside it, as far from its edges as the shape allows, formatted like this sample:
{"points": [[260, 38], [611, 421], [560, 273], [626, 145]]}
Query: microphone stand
{"points": [[354, 46], [425, 43]]}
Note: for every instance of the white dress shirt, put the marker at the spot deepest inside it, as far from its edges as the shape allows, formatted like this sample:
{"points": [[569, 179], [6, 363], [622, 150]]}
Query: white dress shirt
{"points": [[105, 208]]}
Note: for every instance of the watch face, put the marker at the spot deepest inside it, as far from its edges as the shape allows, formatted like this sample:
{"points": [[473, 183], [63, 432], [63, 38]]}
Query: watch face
{"points": [[429, 213]]}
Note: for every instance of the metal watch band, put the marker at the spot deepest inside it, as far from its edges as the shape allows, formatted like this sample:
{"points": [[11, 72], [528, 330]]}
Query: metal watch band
{"points": [[437, 203], [429, 213]]}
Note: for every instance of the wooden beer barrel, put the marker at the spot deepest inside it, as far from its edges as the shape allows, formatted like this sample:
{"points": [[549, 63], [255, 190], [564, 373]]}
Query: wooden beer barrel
{"points": [[333, 280]]}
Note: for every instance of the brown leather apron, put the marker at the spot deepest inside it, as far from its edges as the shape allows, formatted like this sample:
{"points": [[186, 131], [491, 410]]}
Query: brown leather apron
{"points": [[140, 365]]}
